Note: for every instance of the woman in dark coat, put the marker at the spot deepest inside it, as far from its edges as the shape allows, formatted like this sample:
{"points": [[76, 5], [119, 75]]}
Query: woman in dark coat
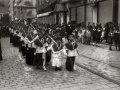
{"points": [[98, 35], [116, 37], [94, 33], [110, 40]]}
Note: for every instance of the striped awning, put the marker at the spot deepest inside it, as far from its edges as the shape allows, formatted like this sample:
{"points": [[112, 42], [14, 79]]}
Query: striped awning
{"points": [[60, 8], [44, 14]]}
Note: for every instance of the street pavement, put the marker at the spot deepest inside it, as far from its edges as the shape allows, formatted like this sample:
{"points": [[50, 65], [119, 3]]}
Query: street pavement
{"points": [[100, 61], [16, 75]]}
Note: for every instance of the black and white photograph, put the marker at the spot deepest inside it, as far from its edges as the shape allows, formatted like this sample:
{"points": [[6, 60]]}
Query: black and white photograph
{"points": [[59, 44]]}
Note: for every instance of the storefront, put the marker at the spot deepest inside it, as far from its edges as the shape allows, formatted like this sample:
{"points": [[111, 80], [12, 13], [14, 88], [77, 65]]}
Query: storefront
{"points": [[105, 12], [93, 11], [45, 17], [73, 15], [89, 14], [80, 14], [95, 14], [61, 13]]}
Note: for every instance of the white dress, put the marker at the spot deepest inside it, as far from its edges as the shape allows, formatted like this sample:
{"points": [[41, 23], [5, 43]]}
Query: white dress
{"points": [[56, 57]]}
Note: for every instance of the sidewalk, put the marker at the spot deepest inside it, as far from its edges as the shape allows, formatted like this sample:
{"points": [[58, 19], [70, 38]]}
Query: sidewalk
{"points": [[100, 61]]}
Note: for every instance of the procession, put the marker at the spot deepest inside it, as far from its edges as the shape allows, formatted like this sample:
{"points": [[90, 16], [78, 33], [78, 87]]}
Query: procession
{"points": [[59, 44], [42, 45]]}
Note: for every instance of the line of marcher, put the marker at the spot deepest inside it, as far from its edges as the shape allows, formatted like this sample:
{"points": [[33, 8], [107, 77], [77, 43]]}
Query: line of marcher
{"points": [[42, 45]]}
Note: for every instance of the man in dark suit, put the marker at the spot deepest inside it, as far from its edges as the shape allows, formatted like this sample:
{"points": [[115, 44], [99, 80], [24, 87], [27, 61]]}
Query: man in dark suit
{"points": [[90, 26], [110, 36], [69, 29], [116, 37]]}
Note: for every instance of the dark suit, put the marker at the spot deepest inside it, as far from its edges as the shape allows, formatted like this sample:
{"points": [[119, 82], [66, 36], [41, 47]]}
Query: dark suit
{"points": [[116, 38]]}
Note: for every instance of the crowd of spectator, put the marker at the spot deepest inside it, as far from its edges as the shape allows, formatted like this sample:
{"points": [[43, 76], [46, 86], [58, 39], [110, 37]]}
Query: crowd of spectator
{"points": [[96, 33], [92, 33]]}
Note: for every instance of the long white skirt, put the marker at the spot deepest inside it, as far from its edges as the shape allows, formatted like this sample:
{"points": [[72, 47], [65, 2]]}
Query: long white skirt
{"points": [[56, 59]]}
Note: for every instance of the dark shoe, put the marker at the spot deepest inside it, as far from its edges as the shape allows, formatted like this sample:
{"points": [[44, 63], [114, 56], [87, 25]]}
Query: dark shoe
{"points": [[70, 70], [37, 68], [59, 69], [44, 68], [110, 49], [56, 69]]}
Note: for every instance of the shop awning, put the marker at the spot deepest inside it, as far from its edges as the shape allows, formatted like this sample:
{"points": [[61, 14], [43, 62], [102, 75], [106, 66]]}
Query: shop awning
{"points": [[60, 8], [44, 14]]}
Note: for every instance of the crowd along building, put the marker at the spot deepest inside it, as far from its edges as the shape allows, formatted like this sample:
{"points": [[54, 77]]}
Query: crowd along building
{"points": [[77, 11]]}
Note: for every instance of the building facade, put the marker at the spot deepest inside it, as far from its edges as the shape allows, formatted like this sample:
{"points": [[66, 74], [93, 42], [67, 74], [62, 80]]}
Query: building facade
{"points": [[94, 11], [78, 11], [22, 9], [52, 12]]}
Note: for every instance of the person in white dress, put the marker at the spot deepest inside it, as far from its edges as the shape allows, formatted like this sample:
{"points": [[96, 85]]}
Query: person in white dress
{"points": [[40, 54], [56, 57]]}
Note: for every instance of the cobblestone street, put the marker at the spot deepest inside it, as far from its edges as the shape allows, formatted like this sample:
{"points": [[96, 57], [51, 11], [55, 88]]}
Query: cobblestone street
{"points": [[16, 75], [101, 61]]}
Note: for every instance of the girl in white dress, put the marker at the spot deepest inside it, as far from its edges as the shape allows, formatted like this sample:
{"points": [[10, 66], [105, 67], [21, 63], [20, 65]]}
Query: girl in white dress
{"points": [[40, 54], [56, 57]]}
